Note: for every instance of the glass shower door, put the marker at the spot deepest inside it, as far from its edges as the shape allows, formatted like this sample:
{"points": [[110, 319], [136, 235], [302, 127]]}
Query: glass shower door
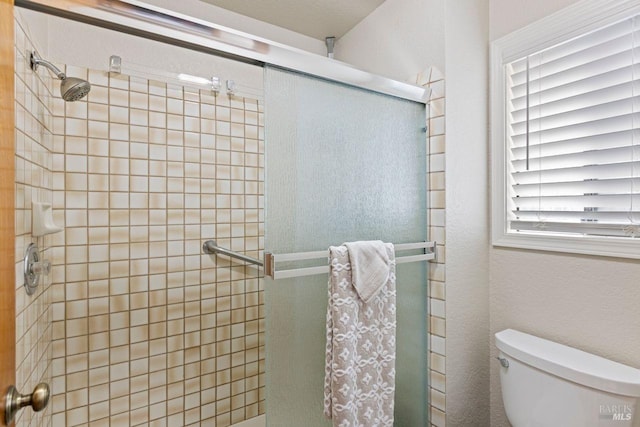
{"points": [[341, 164]]}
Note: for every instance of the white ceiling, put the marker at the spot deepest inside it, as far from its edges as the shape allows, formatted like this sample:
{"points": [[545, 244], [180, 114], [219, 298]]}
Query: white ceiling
{"points": [[314, 18]]}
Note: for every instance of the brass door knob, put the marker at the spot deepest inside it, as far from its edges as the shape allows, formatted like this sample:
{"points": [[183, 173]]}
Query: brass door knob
{"points": [[15, 401]]}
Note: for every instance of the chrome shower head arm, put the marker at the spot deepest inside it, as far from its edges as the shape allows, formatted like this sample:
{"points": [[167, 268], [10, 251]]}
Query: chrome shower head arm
{"points": [[36, 61], [71, 89]]}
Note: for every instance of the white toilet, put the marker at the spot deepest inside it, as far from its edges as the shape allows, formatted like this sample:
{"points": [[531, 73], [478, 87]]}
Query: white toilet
{"points": [[546, 384]]}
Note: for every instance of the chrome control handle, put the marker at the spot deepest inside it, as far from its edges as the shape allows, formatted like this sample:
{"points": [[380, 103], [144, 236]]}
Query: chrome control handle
{"points": [[34, 267], [14, 401], [504, 362]]}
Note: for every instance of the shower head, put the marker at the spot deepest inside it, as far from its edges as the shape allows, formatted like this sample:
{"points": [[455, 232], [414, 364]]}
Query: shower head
{"points": [[71, 88]]}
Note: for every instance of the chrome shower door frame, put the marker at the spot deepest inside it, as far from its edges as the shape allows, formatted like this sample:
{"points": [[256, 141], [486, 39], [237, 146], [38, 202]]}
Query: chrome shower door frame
{"points": [[139, 18]]}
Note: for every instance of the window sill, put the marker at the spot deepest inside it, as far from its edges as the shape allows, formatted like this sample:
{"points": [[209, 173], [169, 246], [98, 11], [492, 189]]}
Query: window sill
{"points": [[584, 245]]}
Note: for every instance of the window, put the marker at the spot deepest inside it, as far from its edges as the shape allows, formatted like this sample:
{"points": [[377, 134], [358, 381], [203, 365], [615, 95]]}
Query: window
{"points": [[566, 132]]}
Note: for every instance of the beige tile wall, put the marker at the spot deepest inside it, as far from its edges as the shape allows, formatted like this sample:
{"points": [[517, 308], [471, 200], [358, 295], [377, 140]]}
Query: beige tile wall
{"points": [[437, 289], [34, 139], [147, 330]]}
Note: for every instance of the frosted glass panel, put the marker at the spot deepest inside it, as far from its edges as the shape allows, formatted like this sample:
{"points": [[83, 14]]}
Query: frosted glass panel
{"points": [[342, 164]]}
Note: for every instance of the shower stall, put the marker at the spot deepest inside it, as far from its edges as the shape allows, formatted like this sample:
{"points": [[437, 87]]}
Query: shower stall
{"points": [[150, 133]]}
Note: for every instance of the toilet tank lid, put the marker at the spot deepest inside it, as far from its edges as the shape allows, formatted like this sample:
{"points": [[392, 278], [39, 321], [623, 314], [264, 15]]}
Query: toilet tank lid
{"points": [[570, 363]]}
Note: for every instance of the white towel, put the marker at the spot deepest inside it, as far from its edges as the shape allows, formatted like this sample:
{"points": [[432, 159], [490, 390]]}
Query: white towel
{"points": [[360, 359], [369, 267]]}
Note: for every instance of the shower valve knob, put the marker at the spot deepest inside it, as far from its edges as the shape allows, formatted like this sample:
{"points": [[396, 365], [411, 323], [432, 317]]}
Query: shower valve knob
{"points": [[41, 267]]}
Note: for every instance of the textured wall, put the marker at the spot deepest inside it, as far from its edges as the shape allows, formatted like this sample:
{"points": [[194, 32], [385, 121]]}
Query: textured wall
{"points": [[398, 40], [238, 22], [587, 302], [467, 213], [509, 15]]}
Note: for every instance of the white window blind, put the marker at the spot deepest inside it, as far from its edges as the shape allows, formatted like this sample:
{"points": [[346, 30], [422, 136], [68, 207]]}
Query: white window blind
{"points": [[573, 122]]}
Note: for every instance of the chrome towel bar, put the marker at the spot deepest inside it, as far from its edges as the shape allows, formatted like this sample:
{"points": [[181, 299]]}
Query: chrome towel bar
{"points": [[271, 259], [211, 247]]}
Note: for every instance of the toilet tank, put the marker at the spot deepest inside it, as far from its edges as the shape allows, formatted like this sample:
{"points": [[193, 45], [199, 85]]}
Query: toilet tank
{"points": [[547, 384]]}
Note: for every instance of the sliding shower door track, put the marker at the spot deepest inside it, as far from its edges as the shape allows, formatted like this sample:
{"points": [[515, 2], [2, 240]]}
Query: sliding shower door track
{"points": [[151, 22]]}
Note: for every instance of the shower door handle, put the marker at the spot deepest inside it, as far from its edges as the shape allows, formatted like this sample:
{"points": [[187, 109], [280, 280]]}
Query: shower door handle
{"points": [[14, 401]]}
